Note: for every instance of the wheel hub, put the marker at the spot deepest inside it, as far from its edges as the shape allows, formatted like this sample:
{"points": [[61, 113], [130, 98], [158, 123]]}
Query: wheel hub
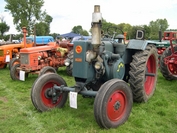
{"points": [[117, 105], [48, 93]]}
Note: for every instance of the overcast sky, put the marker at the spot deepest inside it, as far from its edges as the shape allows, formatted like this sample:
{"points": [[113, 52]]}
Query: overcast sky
{"points": [[69, 13]]}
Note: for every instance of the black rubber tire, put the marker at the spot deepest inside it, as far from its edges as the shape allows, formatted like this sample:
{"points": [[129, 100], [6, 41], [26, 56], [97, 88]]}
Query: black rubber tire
{"points": [[47, 69], [113, 104], [70, 67], [14, 74], [38, 97], [143, 86], [13, 61], [163, 67]]}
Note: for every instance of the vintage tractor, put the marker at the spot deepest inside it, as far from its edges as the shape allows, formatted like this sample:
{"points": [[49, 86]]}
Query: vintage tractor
{"points": [[101, 69], [40, 60], [164, 42], [168, 62], [9, 52]]}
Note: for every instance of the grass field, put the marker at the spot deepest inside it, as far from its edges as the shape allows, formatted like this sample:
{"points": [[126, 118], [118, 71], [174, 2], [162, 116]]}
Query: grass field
{"points": [[18, 115]]}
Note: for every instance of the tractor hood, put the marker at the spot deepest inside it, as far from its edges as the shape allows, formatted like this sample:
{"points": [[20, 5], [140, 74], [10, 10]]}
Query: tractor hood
{"points": [[37, 49]]}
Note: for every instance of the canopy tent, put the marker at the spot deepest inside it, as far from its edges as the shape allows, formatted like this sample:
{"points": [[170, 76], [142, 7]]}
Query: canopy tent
{"points": [[69, 35]]}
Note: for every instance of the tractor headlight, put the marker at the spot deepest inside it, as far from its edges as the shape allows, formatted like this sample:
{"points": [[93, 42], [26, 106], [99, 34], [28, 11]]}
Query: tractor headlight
{"points": [[98, 65], [8, 52], [67, 62], [17, 56], [39, 57], [90, 55]]}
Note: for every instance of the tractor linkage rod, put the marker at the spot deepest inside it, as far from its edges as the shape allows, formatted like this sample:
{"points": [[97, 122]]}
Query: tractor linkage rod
{"points": [[84, 92]]}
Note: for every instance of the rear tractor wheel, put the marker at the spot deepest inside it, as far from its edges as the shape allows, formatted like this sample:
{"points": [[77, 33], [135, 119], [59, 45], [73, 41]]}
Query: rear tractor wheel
{"points": [[168, 71], [143, 73]]}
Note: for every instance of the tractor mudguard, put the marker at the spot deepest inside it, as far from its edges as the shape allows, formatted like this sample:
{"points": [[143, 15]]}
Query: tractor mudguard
{"points": [[133, 46], [139, 44]]}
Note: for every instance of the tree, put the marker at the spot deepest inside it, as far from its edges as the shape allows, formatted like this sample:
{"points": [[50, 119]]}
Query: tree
{"points": [[4, 28], [125, 27], [43, 27], [78, 30], [25, 12], [155, 26], [106, 25], [54, 35]]}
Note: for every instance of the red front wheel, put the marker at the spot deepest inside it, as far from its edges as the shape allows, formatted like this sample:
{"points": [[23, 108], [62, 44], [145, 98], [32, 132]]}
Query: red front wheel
{"points": [[113, 104], [41, 93]]}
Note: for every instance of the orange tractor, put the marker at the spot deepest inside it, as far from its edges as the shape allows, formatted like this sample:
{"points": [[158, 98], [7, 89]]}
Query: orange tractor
{"points": [[40, 60], [9, 52]]}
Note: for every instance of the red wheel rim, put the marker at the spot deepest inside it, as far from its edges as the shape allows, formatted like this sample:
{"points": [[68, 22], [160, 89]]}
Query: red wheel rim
{"points": [[150, 80], [173, 69], [116, 105], [47, 101], [15, 63], [17, 74]]}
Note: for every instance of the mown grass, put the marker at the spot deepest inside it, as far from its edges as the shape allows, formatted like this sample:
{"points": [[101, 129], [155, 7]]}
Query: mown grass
{"points": [[18, 115]]}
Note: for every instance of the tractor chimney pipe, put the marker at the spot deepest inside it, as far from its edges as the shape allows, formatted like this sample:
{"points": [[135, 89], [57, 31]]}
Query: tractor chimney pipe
{"points": [[160, 36], [24, 35], [96, 28]]}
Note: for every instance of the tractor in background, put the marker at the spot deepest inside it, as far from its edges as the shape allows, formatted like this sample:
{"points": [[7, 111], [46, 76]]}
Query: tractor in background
{"points": [[168, 62], [40, 60], [113, 72], [9, 52], [164, 42]]}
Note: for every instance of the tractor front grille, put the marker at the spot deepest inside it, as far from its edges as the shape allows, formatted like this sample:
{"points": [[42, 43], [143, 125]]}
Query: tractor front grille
{"points": [[24, 58], [1, 53]]}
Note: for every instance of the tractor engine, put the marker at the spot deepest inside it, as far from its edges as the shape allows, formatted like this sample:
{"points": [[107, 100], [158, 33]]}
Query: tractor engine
{"points": [[33, 59], [96, 60]]}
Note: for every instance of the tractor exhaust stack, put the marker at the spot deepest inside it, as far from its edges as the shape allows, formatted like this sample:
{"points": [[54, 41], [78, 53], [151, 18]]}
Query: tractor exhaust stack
{"points": [[96, 28], [24, 35]]}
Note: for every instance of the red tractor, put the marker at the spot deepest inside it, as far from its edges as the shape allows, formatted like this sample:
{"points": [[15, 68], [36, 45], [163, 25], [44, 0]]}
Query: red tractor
{"points": [[9, 52], [164, 42], [168, 62], [170, 35], [40, 60]]}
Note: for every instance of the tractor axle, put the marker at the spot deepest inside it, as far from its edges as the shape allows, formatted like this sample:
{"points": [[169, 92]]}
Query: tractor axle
{"points": [[84, 91]]}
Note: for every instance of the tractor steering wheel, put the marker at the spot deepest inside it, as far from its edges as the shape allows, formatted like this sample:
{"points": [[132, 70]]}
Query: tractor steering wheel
{"points": [[112, 33]]}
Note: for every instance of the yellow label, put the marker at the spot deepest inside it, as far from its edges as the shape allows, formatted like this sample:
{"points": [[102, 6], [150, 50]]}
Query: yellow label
{"points": [[119, 66]]}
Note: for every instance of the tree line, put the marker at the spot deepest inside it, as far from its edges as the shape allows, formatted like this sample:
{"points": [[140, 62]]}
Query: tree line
{"points": [[28, 13]]}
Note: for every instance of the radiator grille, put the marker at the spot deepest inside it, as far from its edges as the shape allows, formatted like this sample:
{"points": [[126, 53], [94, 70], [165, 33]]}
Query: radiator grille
{"points": [[24, 58], [1, 53]]}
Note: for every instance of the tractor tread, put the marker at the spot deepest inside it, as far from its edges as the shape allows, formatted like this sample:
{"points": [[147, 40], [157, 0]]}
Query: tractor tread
{"points": [[137, 72]]}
